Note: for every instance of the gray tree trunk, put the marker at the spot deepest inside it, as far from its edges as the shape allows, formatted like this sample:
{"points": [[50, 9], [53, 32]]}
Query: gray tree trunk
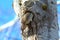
{"points": [[38, 18]]}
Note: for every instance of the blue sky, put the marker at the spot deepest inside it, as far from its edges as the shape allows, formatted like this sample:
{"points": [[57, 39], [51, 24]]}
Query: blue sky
{"points": [[7, 13]]}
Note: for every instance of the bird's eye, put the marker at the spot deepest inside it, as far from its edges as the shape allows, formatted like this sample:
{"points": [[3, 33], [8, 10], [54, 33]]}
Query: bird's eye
{"points": [[44, 7], [20, 4]]}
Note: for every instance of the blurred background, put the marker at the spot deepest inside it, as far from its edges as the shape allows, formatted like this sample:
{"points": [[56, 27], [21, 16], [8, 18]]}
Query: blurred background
{"points": [[9, 23]]}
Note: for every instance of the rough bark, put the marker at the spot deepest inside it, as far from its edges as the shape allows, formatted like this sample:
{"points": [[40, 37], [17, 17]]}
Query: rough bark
{"points": [[38, 18]]}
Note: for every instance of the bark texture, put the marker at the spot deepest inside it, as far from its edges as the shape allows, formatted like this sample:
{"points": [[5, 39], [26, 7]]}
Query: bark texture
{"points": [[38, 18]]}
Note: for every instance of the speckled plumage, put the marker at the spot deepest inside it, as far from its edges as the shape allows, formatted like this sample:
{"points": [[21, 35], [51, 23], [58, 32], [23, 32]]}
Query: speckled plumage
{"points": [[37, 19]]}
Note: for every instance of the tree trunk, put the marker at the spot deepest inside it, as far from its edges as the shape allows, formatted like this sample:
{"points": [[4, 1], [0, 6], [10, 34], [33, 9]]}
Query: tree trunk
{"points": [[38, 19]]}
